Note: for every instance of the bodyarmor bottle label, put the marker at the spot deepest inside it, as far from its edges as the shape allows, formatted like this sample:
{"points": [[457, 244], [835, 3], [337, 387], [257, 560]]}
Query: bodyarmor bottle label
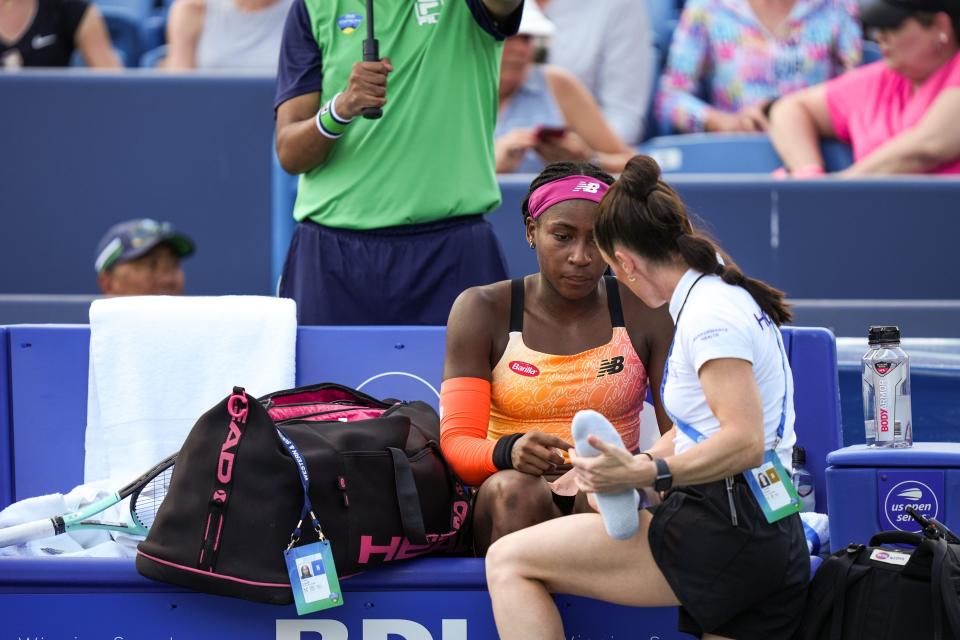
{"points": [[889, 379]]}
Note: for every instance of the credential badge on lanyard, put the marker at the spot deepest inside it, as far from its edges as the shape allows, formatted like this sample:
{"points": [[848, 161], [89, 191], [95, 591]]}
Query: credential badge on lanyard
{"points": [[313, 575], [770, 483]]}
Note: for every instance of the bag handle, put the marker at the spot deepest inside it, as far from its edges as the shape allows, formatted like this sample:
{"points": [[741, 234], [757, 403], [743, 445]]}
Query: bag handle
{"points": [[408, 499], [896, 537]]}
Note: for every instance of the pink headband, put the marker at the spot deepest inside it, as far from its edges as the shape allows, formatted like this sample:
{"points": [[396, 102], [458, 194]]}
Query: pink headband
{"points": [[569, 188]]}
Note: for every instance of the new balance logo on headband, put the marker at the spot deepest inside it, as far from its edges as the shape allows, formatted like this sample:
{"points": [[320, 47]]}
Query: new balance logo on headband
{"points": [[610, 367], [587, 187]]}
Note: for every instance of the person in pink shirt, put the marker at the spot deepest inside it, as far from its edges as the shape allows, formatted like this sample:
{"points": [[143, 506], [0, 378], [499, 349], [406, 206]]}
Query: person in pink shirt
{"points": [[899, 114]]}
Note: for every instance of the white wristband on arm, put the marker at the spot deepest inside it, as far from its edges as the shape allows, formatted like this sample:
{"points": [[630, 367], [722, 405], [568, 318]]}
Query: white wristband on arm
{"points": [[329, 123]]}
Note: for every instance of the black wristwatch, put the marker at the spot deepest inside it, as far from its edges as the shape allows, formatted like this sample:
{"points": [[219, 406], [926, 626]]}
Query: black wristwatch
{"points": [[664, 478]]}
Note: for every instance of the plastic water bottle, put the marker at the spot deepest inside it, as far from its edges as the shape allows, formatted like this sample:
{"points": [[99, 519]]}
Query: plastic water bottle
{"points": [[886, 390], [803, 480]]}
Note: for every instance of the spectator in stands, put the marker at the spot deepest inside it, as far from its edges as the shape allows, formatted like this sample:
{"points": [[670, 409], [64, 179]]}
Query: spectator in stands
{"points": [[744, 54], [708, 545], [608, 46], [45, 33], [900, 114], [225, 34], [524, 356], [546, 114], [390, 227], [142, 257]]}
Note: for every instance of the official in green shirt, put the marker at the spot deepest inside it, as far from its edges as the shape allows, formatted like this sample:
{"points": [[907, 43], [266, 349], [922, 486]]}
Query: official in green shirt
{"points": [[390, 227]]}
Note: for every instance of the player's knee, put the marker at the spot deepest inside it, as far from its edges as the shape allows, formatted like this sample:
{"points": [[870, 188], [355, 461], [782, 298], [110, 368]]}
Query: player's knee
{"points": [[512, 493], [502, 561]]}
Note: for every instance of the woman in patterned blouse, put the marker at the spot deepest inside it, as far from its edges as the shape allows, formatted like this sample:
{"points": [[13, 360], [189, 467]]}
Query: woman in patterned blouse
{"points": [[741, 55]]}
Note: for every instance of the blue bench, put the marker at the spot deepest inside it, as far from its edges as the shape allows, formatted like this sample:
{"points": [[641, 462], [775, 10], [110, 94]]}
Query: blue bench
{"points": [[47, 389], [43, 381]]}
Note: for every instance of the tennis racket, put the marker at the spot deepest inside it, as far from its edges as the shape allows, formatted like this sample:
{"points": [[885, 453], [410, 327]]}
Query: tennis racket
{"points": [[371, 53], [146, 493]]}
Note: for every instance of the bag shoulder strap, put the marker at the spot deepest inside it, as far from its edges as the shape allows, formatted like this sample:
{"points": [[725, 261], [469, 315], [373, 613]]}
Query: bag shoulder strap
{"points": [[936, 585], [408, 499], [826, 588], [847, 559], [950, 583], [944, 570]]}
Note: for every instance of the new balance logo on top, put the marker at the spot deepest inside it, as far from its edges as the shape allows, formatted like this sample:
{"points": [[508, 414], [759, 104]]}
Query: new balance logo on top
{"points": [[587, 187], [611, 366]]}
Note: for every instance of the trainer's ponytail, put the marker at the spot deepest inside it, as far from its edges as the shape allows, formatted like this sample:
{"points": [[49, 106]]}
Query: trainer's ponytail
{"points": [[644, 214], [701, 253]]}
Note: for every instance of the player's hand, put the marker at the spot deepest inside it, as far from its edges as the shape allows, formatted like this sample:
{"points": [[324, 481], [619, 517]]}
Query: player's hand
{"points": [[568, 147], [509, 149], [615, 469], [367, 87], [536, 453]]}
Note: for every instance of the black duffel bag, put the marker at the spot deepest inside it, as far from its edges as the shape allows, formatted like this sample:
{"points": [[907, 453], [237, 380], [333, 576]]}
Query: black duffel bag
{"points": [[378, 483], [881, 592]]}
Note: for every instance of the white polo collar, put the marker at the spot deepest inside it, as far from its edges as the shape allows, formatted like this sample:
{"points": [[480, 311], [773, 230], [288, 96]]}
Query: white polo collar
{"points": [[680, 293]]}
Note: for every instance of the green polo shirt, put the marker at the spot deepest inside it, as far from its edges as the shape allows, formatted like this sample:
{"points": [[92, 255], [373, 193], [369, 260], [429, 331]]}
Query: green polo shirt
{"points": [[430, 157]]}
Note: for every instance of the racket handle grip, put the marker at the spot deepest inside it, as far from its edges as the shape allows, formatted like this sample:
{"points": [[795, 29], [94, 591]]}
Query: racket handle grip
{"points": [[371, 53], [20, 533]]}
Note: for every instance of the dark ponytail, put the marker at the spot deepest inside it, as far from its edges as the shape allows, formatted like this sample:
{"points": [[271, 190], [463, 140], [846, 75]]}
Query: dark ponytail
{"points": [[643, 213], [556, 171]]}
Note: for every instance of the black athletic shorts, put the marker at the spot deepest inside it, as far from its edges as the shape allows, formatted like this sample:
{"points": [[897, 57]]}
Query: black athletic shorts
{"points": [[743, 582], [393, 276]]}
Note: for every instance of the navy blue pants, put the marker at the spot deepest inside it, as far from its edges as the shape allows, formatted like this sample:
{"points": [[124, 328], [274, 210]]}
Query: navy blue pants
{"points": [[394, 276]]}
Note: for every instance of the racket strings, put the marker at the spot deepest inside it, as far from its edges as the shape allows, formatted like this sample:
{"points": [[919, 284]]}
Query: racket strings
{"points": [[151, 496]]}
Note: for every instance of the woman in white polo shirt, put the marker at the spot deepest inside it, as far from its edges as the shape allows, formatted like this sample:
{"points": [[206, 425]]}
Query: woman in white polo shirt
{"points": [[726, 543]]}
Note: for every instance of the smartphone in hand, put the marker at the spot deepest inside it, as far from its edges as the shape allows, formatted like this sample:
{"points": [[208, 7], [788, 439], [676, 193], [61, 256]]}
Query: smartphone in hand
{"points": [[549, 134]]}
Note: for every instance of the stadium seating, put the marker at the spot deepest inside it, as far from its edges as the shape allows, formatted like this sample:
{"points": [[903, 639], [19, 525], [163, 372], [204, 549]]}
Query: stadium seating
{"points": [[714, 153], [152, 57], [125, 27]]}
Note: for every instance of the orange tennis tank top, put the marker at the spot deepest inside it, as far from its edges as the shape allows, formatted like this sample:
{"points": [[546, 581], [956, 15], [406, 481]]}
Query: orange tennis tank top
{"points": [[540, 391]]}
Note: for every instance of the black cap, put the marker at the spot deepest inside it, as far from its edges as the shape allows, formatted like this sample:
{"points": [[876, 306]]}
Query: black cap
{"points": [[131, 239], [890, 14], [883, 333]]}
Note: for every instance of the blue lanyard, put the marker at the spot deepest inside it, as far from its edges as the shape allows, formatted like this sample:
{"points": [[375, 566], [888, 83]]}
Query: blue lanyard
{"points": [[305, 481], [689, 430]]}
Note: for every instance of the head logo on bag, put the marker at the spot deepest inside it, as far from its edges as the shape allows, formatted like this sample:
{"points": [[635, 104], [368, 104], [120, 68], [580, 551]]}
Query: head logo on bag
{"points": [[237, 406]]}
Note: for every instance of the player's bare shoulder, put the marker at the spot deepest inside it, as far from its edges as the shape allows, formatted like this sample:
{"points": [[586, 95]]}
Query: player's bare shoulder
{"points": [[482, 306], [645, 325]]}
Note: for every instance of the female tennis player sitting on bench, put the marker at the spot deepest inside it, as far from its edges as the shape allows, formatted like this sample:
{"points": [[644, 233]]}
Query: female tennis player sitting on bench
{"points": [[524, 356]]}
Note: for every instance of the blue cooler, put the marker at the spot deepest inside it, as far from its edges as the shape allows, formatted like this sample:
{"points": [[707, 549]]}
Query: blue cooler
{"points": [[868, 490]]}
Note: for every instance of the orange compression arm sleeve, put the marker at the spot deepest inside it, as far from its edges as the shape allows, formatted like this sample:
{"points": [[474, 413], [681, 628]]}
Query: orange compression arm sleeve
{"points": [[464, 417]]}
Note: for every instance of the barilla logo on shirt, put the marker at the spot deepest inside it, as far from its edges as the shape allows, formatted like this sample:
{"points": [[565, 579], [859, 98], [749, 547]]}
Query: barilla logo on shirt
{"points": [[524, 369]]}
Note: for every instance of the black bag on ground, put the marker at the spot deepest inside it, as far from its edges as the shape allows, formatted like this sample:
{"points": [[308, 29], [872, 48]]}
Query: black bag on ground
{"points": [[379, 486], [880, 592]]}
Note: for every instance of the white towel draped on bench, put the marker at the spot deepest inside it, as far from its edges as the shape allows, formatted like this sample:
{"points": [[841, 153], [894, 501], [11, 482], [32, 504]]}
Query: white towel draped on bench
{"points": [[158, 362]]}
